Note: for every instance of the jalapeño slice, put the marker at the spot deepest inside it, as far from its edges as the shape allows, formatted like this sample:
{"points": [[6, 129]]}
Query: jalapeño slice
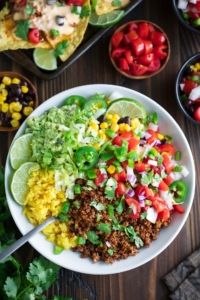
{"points": [[179, 190], [86, 157]]}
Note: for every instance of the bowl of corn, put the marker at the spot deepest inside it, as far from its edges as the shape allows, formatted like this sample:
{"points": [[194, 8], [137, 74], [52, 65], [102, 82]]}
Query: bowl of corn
{"points": [[18, 99]]}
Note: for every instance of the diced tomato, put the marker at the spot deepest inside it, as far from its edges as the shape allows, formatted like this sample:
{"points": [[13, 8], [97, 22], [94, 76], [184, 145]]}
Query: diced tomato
{"points": [[110, 161], [167, 163], [163, 186], [164, 215], [197, 114], [144, 190], [151, 28], [146, 59], [34, 36], [168, 180], [117, 141], [136, 207], [141, 167], [133, 26], [179, 208], [157, 38], [22, 3], [138, 69], [129, 57], [153, 136], [100, 178], [133, 143], [169, 148], [159, 204], [148, 46], [137, 46], [121, 189], [123, 64], [160, 51], [117, 38], [143, 30], [120, 177], [188, 86], [154, 65], [75, 2], [127, 135], [116, 53], [130, 36], [134, 216]]}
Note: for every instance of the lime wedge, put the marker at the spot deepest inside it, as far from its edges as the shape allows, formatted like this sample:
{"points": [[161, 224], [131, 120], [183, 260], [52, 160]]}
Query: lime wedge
{"points": [[127, 107], [21, 151], [45, 59], [19, 181], [106, 19]]}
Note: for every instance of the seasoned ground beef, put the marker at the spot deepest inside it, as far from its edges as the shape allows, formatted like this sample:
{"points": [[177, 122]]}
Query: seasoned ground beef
{"points": [[91, 209]]}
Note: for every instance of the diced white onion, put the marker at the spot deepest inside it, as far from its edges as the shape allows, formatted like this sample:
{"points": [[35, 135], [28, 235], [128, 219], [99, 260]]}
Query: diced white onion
{"points": [[130, 193], [182, 4], [185, 172], [152, 162], [108, 244], [182, 85], [195, 93], [133, 207], [176, 175], [151, 215], [147, 135], [153, 126], [131, 176], [141, 197], [142, 203], [168, 198]]}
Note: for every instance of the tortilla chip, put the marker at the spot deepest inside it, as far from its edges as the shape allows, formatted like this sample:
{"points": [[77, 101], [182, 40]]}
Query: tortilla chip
{"points": [[105, 6]]}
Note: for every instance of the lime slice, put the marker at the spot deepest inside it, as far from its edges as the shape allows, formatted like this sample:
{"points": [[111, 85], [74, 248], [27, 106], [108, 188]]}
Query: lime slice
{"points": [[127, 107], [45, 59], [19, 181], [106, 19], [21, 151]]}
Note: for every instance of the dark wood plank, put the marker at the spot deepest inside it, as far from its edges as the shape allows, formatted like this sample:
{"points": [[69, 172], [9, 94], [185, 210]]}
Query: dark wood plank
{"points": [[94, 67]]}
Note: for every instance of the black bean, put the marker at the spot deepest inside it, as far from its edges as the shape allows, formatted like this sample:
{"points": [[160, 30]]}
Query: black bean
{"points": [[125, 120], [101, 118]]}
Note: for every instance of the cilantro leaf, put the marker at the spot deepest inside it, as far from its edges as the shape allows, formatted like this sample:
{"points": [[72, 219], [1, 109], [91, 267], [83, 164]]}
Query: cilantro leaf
{"points": [[110, 188], [85, 12], [133, 236], [42, 274], [22, 29], [147, 178], [99, 206], [60, 48], [11, 287], [120, 207], [93, 237], [104, 227], [30, 10]]}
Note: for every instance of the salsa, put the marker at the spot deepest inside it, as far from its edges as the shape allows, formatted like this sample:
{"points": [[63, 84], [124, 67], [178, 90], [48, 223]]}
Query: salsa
{"points": [[190, 10]]}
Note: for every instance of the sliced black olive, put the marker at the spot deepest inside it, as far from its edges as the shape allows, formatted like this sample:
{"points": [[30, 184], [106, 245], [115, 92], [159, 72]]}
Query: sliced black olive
{"points": [[60, 20]]}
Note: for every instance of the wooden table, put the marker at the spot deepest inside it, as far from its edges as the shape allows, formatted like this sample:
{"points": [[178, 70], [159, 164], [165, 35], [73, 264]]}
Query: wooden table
{"points": [[94, 67]]}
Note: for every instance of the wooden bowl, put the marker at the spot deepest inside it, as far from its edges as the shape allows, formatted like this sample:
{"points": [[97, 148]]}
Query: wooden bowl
{"points": [[145, 75], [13, 75]]}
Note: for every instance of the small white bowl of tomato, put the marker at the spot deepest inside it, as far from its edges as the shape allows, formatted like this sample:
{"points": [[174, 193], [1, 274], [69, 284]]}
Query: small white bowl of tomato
{"points": [[188, 88], [139, 49]]}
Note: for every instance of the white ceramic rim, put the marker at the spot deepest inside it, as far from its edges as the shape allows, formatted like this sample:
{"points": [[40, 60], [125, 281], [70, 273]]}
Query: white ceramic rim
{"points": [[122, 265]]}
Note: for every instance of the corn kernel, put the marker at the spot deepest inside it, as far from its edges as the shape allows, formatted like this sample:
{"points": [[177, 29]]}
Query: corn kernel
{"points": [[15, 107], [111, 169], [31, 103], [115, 118], [24, 89], [104, 125], [115, 127], [16, 80], [127, 127], [102, 135], [96, 146], [109, 117], [2, 86], [27, 110], [121, 127], [2, 98], [94, 126], [160, 136], [6, 80], [4, 107], [4, 92], [135, 123], [14, 123], [16, 116]]}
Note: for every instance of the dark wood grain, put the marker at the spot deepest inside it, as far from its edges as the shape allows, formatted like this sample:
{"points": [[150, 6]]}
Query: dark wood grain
{"points": [[94, 67]]}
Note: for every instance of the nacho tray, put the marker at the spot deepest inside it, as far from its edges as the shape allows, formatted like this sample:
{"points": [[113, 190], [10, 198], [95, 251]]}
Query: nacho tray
{"points": [[92, 35]]}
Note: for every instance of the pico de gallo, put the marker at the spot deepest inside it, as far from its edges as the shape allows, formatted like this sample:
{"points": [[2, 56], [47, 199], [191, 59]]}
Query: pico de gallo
{"points": [[190, 11], [190, 91], [139, 48]]}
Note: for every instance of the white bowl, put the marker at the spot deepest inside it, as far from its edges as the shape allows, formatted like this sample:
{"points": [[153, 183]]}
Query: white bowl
{"points": [[71, 260]]}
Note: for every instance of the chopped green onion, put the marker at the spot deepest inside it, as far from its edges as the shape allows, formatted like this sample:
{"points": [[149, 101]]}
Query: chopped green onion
{"points": [[57, 250], [110, 252], [91, 174], [54, 33], [77, 189], [80, 240], [110, 133], [178, 169], [133, 155], [178, 155]]}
